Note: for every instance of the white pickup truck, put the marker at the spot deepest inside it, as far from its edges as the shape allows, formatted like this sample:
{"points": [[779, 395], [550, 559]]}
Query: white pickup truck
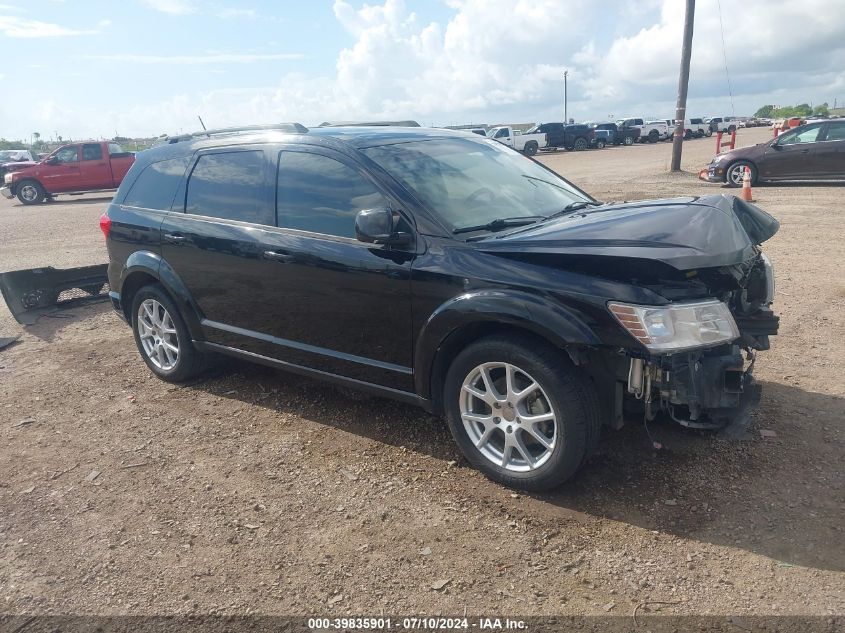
{"points": [[528, 144], [651, 131]]}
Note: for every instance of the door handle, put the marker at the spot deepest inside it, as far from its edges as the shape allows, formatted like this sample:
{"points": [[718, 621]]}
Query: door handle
{"points": [[278, 256], [805, 151], [174, 238]]}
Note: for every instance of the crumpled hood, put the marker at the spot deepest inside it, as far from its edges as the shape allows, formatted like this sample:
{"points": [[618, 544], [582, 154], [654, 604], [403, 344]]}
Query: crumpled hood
{"points": [[685, 233], [17, 165]]}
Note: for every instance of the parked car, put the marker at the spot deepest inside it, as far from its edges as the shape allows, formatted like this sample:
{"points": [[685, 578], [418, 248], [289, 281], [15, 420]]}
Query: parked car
{"points": [[723, 124], [75, 168], [815, 151], [528, 144], [652, 131], [449, 272], [664, 131], [570, 136], [619, 135]]}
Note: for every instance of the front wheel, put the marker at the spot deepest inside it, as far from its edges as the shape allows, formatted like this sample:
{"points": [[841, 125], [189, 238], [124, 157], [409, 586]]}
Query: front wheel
{"points": [[520, 413], [31, 192], [162, 336], [629, 140], [600, 144], [736, 172], [708, 132]]}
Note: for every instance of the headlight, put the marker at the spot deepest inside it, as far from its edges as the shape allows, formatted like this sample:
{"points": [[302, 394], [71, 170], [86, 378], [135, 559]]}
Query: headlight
{"points": [[677, 327], [7, 179]]}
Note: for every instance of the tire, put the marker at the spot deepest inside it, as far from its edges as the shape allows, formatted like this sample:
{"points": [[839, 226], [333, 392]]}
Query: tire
{"points": [[600, 144], [708, 132], [564, 401], [653, 136], [734, 173], [629, 140], [31, 192], [687, 135], [580, 144], [731, 129], [188, 362], [531, 148]]}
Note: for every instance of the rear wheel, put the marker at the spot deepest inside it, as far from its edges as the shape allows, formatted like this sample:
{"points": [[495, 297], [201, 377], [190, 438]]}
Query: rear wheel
{"points": [[731, 129], [708, 132], [653, 136], [520, 412], [162, 337], [629, 140], [531, 148], [31, 192], [580, 144]]}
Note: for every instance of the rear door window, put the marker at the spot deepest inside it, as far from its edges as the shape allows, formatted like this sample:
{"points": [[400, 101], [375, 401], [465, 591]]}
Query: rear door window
{"points": [[156, 185], [836, 131], [230, 186], [92, 151], [319, 194]]}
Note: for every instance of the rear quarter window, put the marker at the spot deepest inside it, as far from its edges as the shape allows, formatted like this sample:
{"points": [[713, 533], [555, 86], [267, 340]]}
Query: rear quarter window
{"points": [[156, 185], [230, 186]]}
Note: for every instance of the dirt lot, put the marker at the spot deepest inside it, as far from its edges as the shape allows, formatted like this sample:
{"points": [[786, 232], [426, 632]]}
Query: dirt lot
{"points": [[257, 491]]}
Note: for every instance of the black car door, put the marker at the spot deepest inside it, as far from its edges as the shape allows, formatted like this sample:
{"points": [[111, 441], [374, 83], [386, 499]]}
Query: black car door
{"points": [[793, 156], [334, 303], [830, 151]]}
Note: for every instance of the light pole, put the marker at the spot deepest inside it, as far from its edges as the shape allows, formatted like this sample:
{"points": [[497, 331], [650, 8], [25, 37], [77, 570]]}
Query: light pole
{"points": [[565, 105]]}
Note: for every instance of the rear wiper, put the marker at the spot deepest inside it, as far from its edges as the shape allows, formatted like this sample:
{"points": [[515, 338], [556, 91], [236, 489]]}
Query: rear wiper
{"points": [[500, 223], [572, 207]]}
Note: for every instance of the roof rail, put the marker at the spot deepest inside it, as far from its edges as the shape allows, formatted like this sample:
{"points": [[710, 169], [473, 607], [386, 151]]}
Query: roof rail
{"points": [[291, 128]]}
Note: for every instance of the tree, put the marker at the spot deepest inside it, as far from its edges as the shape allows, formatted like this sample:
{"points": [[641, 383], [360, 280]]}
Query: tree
{"points": [[765, 112], [822, 109]]}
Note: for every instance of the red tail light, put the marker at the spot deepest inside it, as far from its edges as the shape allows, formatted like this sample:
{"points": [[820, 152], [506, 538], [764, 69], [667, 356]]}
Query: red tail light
{"points": [[105, 224]]}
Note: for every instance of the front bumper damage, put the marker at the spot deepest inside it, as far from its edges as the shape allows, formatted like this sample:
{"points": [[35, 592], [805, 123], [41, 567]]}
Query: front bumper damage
{"points": [[710, 389], [31, 293]]}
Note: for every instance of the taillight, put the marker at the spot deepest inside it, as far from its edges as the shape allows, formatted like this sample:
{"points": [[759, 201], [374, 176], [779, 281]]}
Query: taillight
{"points": [[105, 224]]}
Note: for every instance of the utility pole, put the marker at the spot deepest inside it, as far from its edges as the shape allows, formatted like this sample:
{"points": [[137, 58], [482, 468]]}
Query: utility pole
{"points": [[565, 99], [683, 84]]}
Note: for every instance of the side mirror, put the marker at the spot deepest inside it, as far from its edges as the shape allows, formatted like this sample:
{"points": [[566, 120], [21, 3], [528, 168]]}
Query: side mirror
{"points": [[375, 226]]}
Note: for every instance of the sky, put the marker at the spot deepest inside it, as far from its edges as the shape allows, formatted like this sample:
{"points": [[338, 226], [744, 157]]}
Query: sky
{"points": [[97, 69]]}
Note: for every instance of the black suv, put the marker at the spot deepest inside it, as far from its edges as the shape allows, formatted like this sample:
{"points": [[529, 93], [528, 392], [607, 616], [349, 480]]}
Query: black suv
{"points": [[448, 271], [577, 137]]}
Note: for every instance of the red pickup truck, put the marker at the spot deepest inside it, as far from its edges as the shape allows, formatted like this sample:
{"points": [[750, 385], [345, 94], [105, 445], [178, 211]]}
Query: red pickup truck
{"points": [[75, 168]]}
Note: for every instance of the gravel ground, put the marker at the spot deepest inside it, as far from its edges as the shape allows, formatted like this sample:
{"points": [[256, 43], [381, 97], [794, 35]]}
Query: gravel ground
{"points": [[254, 491]]}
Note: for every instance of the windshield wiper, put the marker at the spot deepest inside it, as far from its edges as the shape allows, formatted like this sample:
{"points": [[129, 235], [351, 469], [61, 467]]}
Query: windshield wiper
{"points": [[500, 223], [574, 206]]}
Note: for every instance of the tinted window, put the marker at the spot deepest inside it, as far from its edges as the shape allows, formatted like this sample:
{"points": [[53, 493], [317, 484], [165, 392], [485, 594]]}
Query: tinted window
{"points": [[67, 155], [91, 151], [156, 185], [836, 132], [229, 186], [322, 195]]}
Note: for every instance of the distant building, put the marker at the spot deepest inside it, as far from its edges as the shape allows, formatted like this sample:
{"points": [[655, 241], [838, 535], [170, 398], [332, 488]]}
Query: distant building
{"points": [[837, 112]]}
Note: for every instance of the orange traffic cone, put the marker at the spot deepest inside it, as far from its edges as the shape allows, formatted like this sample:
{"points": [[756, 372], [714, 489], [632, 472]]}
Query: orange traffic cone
{"points": [[746, 185]]}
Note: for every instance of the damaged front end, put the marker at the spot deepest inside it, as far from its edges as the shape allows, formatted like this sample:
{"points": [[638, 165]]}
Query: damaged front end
{"points": [[37, 291], [707, 387]]}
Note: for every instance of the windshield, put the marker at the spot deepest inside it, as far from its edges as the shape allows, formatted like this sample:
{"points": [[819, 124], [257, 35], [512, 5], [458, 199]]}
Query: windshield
{"points": [[468, 182], [12, 154]]}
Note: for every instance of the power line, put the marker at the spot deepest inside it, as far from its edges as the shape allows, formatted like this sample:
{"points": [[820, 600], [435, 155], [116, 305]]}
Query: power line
{"points": [[725, 55]]}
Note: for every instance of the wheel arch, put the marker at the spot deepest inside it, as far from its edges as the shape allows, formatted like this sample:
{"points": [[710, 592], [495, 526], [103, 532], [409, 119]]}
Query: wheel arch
{"points": [[145, 267], [473, 316]]}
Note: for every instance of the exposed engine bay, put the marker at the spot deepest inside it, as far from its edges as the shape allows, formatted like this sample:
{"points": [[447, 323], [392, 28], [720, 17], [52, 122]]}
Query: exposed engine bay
{"points": [[713, 387]]}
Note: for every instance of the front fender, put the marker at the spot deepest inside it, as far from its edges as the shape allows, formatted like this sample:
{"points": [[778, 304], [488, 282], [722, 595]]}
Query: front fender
{"points": [[531, 312], [151, 264]]}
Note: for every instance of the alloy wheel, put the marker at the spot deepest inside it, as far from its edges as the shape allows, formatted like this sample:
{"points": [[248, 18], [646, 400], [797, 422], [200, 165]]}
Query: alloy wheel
{"points": [[157, 333], [29, 193], [736, 174], [508, 416]]}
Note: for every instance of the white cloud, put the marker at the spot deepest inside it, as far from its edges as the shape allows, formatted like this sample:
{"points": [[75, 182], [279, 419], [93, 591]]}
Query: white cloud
{"points": [[497, 60], [221, 58], [12, 26], [104, 23], [173, 7]]}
